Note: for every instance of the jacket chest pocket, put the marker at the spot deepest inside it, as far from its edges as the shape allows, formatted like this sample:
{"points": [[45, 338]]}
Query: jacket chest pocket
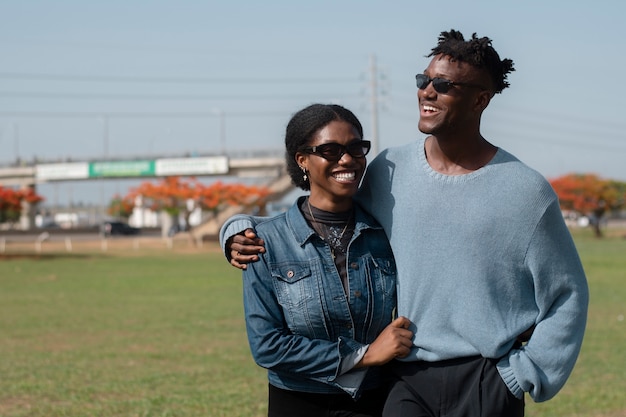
{"points": [[384, 275], [298, 292], [383, 280], [293, 283]]}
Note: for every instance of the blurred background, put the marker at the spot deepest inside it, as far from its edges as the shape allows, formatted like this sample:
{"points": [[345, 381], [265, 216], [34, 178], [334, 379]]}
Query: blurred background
{"points": [[146, 80]]}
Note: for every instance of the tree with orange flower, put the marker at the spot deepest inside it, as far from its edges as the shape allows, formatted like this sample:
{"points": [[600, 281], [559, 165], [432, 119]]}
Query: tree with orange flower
{"points": [[12, 202], [170, 195], [218, 195], [121, 207], [177, 196], [590, 195]]}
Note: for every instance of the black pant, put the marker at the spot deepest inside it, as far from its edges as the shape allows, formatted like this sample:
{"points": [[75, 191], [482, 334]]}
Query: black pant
{"points": [[283, 403], [467, 387]]}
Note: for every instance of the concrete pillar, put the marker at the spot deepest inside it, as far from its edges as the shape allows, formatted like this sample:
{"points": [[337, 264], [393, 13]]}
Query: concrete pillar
{"points": [[27, 214], [167, 221]]}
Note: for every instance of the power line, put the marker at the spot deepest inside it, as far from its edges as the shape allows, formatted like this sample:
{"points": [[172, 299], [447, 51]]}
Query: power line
{"points": [[121, 115], [523, 119], [177, 80], [562, 118], [552, 133], [98, 96]]}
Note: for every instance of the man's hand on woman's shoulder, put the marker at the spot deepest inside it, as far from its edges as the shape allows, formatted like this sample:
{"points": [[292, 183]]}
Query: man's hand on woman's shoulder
{"points": [[244, 248]]}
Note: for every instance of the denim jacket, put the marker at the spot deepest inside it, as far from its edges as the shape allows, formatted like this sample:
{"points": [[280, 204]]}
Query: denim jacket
{"points": [[299, 321]]}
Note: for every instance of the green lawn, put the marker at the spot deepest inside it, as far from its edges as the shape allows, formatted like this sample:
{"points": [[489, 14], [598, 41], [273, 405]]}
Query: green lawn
{"points": [[598, 384], [160, 332]]}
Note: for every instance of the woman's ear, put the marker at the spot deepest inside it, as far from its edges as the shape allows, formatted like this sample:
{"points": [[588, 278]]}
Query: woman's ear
{"points": [[301, 160]]}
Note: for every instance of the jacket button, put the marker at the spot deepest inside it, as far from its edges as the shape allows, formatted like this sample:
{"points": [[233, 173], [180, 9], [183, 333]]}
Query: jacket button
{"points": [[357, 294], [354, 265], [290, 274]]}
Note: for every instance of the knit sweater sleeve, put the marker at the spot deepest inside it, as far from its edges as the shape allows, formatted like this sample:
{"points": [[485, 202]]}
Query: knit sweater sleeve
{"points": [[234, 225], [542, 366]]}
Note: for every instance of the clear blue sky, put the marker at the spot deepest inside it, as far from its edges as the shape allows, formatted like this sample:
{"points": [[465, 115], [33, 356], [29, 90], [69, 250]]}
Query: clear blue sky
{"points": [[164, 71]]}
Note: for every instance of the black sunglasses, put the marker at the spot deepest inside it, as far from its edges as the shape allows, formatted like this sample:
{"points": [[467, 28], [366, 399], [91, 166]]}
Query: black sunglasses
{"points": [[334, 151], [441, 85]]}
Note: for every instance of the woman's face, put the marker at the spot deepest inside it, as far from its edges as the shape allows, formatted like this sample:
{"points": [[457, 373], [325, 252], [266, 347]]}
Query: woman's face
{"points": [[333, 182]]}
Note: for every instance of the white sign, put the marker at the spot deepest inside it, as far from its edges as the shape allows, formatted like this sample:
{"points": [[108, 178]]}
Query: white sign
{"points": [[68, 171], [191, 166]]}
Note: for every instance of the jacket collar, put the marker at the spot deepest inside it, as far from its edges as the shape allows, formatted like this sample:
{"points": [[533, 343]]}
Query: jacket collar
{"points": [[302, 232]]}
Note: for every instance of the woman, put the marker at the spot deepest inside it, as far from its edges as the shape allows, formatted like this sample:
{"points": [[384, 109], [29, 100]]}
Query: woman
{"points": [[319, 304]]}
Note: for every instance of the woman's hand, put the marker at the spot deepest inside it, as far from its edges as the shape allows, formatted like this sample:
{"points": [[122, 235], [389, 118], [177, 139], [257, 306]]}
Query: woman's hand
{"points": [[395, 341]]}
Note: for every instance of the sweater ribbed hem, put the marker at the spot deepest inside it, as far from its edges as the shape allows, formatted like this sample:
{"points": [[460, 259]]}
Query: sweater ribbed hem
{"points": [[506, 373]]}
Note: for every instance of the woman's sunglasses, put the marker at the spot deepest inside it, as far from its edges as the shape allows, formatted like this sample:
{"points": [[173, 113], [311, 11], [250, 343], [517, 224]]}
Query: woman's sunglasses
{"points": [[334, 151], [441, 85]]}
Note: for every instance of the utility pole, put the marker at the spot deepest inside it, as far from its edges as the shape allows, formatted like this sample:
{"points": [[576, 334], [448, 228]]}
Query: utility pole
{"points": [[105, 136], [222, 131], [105, 154], [16, 134], [374, 103]]}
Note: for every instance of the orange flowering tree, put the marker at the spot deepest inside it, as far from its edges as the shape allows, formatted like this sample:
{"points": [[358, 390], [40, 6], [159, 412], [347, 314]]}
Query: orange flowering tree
{"points": [[590, 195], [11, 202], [121, 207], [181, 196], [169, 195], [219, 195]]}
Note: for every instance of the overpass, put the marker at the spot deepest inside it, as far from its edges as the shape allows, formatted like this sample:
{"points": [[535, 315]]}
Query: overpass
{"points": [[251, 165]]}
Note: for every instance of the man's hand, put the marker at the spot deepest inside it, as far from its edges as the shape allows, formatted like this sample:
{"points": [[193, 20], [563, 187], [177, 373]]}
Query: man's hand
{"points": [[244, 248], [394, 342]]}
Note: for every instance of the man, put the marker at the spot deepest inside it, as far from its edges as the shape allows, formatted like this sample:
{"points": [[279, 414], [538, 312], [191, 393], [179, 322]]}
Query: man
{"points": [[487, 270]]}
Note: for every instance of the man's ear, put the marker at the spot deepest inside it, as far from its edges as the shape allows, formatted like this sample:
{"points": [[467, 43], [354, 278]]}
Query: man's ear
{"points": [[483, 99]]}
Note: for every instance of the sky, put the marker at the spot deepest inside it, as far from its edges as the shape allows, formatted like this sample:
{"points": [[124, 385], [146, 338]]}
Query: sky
{"points": [[91, 79]]}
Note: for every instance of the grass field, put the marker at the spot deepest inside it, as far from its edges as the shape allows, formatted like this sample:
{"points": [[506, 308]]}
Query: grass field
{"points": [[142, 330]]}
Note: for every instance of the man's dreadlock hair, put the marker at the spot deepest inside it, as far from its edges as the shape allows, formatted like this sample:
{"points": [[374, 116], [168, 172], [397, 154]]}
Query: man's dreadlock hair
{"points": [[477, 52]]}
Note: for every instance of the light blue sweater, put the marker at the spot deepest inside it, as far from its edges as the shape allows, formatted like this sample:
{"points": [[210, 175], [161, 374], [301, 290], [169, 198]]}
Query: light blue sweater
{"points": [[481, 258]]}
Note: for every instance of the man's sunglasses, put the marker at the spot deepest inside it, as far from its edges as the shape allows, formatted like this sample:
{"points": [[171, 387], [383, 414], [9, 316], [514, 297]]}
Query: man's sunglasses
{"points": [[441, 85], [334, 151]]}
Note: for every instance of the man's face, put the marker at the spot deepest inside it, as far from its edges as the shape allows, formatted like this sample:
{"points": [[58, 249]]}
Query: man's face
{"points": [[456, 111]]}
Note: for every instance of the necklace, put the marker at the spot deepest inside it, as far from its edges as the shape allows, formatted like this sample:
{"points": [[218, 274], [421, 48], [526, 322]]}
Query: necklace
{"points": [[331, 237]]}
